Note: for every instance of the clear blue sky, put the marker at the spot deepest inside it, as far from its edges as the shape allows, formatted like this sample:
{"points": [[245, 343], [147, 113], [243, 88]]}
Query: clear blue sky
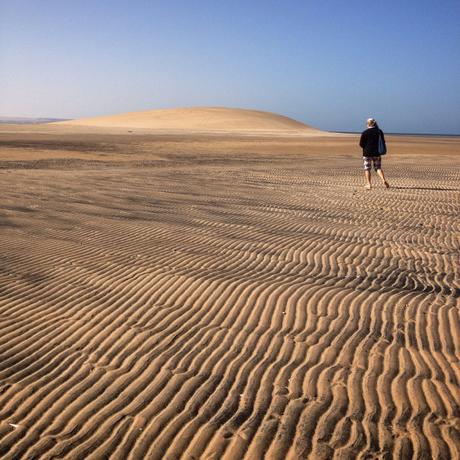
{"points": [[328, 63]]}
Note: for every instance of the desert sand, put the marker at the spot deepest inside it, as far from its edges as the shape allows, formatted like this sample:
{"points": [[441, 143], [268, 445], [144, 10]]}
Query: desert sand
{"points": [[219, 291], [200, 119]]}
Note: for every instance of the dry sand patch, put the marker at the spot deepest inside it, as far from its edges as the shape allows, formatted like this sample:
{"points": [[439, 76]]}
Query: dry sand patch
{"points": [[226, 297]]}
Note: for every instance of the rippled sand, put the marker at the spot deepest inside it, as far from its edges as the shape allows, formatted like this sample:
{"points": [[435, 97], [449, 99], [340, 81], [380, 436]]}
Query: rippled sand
{"points": [[227, 297]]}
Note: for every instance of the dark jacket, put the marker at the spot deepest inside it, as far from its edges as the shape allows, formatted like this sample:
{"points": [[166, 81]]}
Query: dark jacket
{"points": [[370, 141]]}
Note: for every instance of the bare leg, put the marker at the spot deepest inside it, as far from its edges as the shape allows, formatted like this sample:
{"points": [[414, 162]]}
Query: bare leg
{"points": [[367, 175], [382, 176]]}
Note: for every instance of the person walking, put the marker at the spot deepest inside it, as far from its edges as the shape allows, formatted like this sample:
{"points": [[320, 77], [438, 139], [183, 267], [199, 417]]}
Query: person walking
{"points": [[373, 144]]}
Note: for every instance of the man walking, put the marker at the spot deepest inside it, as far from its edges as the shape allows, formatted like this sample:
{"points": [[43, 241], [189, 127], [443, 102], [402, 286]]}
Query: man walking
{"points": [[373, 144]]}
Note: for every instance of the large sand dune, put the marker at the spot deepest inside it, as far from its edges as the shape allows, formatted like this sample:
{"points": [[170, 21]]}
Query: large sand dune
{"points": [[227, 298], [202, 119]]}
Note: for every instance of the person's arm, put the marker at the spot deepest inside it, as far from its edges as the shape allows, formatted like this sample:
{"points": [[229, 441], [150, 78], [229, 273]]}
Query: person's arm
{"points": [[362, 141]]}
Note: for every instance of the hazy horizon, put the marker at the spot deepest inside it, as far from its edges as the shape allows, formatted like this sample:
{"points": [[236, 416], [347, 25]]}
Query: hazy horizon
{"points": [[46, 120], [328, 64]]}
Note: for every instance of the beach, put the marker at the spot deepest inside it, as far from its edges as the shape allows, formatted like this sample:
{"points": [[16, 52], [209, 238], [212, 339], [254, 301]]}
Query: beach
{"points": [[227, 295]]}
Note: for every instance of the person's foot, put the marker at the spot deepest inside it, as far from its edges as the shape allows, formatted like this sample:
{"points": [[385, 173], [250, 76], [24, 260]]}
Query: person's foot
{"points": [[368, 186], [386, 184]]}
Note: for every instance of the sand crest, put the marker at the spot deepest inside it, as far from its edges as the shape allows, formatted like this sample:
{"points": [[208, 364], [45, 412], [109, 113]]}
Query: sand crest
{"points": [[201, 119]]}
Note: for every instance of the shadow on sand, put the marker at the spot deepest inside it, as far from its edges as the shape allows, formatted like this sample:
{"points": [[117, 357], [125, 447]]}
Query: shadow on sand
{"points": [[439, 189]]}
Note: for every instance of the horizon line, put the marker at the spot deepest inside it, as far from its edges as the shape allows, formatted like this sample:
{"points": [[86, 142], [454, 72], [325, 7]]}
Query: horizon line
{"points": [[4, 119]]}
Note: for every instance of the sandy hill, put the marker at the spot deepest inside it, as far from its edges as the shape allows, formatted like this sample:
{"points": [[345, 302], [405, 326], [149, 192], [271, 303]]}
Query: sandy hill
{"points": [[202, 119]]}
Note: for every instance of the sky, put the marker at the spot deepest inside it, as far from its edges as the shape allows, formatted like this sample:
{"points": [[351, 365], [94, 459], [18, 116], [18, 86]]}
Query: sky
{"points": [[329, 63]]}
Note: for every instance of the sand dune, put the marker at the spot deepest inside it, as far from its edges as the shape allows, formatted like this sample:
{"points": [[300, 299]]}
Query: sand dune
{"points": [[203, 119], [164, 299]]}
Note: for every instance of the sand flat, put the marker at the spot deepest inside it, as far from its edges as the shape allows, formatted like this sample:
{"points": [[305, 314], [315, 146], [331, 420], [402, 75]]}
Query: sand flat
{"points": [[218, 296]]}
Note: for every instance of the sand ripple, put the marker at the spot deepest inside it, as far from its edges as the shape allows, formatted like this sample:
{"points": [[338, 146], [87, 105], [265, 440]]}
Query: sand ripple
{"points": [[273, 310]]}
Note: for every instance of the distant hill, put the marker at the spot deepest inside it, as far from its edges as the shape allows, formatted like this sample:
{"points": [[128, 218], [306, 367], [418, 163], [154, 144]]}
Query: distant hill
{"points": [[202, 119], [28, 120]]}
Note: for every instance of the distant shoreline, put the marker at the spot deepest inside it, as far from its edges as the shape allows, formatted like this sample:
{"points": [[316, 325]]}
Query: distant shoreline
{"points": [[39, 121], [403, 134], [29, 121]]}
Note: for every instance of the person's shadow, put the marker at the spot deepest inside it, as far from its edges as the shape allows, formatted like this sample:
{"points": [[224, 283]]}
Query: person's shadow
{"points": [[441, 189]]}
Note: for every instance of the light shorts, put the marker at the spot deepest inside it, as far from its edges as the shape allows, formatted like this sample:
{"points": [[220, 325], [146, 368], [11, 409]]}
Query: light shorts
{"points": [[367, 162]]}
